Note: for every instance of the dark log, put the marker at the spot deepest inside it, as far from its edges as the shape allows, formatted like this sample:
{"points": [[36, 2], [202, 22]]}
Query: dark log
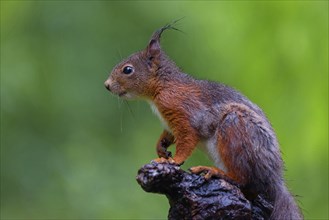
{"points": [[191, 196]]}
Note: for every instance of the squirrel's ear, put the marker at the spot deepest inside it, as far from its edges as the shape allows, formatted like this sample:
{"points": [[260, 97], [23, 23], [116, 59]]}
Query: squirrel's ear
{"points": [[153, 49]]}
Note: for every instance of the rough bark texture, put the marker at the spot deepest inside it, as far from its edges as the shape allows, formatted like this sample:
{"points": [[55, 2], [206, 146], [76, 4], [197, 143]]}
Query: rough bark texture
{"points": [[193, 197]]}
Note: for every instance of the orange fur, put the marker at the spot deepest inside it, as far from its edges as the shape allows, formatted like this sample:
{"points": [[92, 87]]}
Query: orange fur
{"points": [[186, 138]]}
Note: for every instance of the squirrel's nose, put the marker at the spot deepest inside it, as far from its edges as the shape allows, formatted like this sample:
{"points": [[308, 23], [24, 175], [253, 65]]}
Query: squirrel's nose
{"points": [[107, 85]]}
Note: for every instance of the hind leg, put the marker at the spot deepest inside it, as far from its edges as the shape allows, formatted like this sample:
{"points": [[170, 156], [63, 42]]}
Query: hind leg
{"points": [[249, 150]]}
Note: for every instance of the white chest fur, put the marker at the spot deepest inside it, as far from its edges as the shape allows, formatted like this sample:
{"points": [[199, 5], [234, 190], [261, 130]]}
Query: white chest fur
{"points": [[157, 113]]}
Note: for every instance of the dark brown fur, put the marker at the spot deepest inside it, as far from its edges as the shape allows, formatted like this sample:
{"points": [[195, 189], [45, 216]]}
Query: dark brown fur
{"points": [[197, 111]]}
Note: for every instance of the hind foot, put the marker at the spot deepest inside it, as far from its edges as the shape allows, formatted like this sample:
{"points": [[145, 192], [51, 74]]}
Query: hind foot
{"points": [[212, 172], [208, 172]]}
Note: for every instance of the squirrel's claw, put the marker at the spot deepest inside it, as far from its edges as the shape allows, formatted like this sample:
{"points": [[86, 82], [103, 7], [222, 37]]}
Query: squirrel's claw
{"points": [[168, 154], [164, 153], [212, 172], [208, 172]]}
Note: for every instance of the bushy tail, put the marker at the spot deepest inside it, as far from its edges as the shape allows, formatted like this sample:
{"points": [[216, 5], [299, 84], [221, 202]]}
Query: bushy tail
{"points": [[285, 206]]}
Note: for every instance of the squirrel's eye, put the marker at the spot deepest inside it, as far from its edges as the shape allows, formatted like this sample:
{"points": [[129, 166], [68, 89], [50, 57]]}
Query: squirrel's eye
{"points": [[128, 69]]}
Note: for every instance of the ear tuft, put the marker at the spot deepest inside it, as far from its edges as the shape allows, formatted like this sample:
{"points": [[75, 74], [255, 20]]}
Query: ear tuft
{"points": [[153, 49]]}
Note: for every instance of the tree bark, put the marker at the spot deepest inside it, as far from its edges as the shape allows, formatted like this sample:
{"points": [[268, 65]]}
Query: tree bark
{"points": [[193, 197]]}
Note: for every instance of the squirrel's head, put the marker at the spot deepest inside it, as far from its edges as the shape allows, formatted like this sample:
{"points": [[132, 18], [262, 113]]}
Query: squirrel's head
{"points": [[137, 76]]}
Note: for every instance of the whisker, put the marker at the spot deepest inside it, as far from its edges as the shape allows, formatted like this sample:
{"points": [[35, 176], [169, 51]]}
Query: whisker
{"points": [[121, 114], [130, 110]]}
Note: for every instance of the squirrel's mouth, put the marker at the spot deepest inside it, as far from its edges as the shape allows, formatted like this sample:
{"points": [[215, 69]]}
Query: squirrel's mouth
{"points": [[127, 95], [122, 94]]}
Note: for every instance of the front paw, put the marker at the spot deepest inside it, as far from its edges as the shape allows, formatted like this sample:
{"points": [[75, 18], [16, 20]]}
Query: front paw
{"points": [[165, 160]]}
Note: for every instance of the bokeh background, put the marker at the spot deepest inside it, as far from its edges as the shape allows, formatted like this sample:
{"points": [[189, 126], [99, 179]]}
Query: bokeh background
{"points": [[70, 150]]}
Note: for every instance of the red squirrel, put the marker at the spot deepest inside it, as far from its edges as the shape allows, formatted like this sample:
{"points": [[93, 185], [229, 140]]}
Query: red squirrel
{"points": [[233, 131]]}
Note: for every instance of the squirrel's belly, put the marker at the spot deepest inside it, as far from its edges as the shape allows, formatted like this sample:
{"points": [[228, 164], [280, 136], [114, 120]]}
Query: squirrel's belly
{"points": [[210, 147]]}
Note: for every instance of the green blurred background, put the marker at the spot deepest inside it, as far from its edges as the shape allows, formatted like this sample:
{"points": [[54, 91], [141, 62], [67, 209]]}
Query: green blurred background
{"points": [[70, 150]]}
